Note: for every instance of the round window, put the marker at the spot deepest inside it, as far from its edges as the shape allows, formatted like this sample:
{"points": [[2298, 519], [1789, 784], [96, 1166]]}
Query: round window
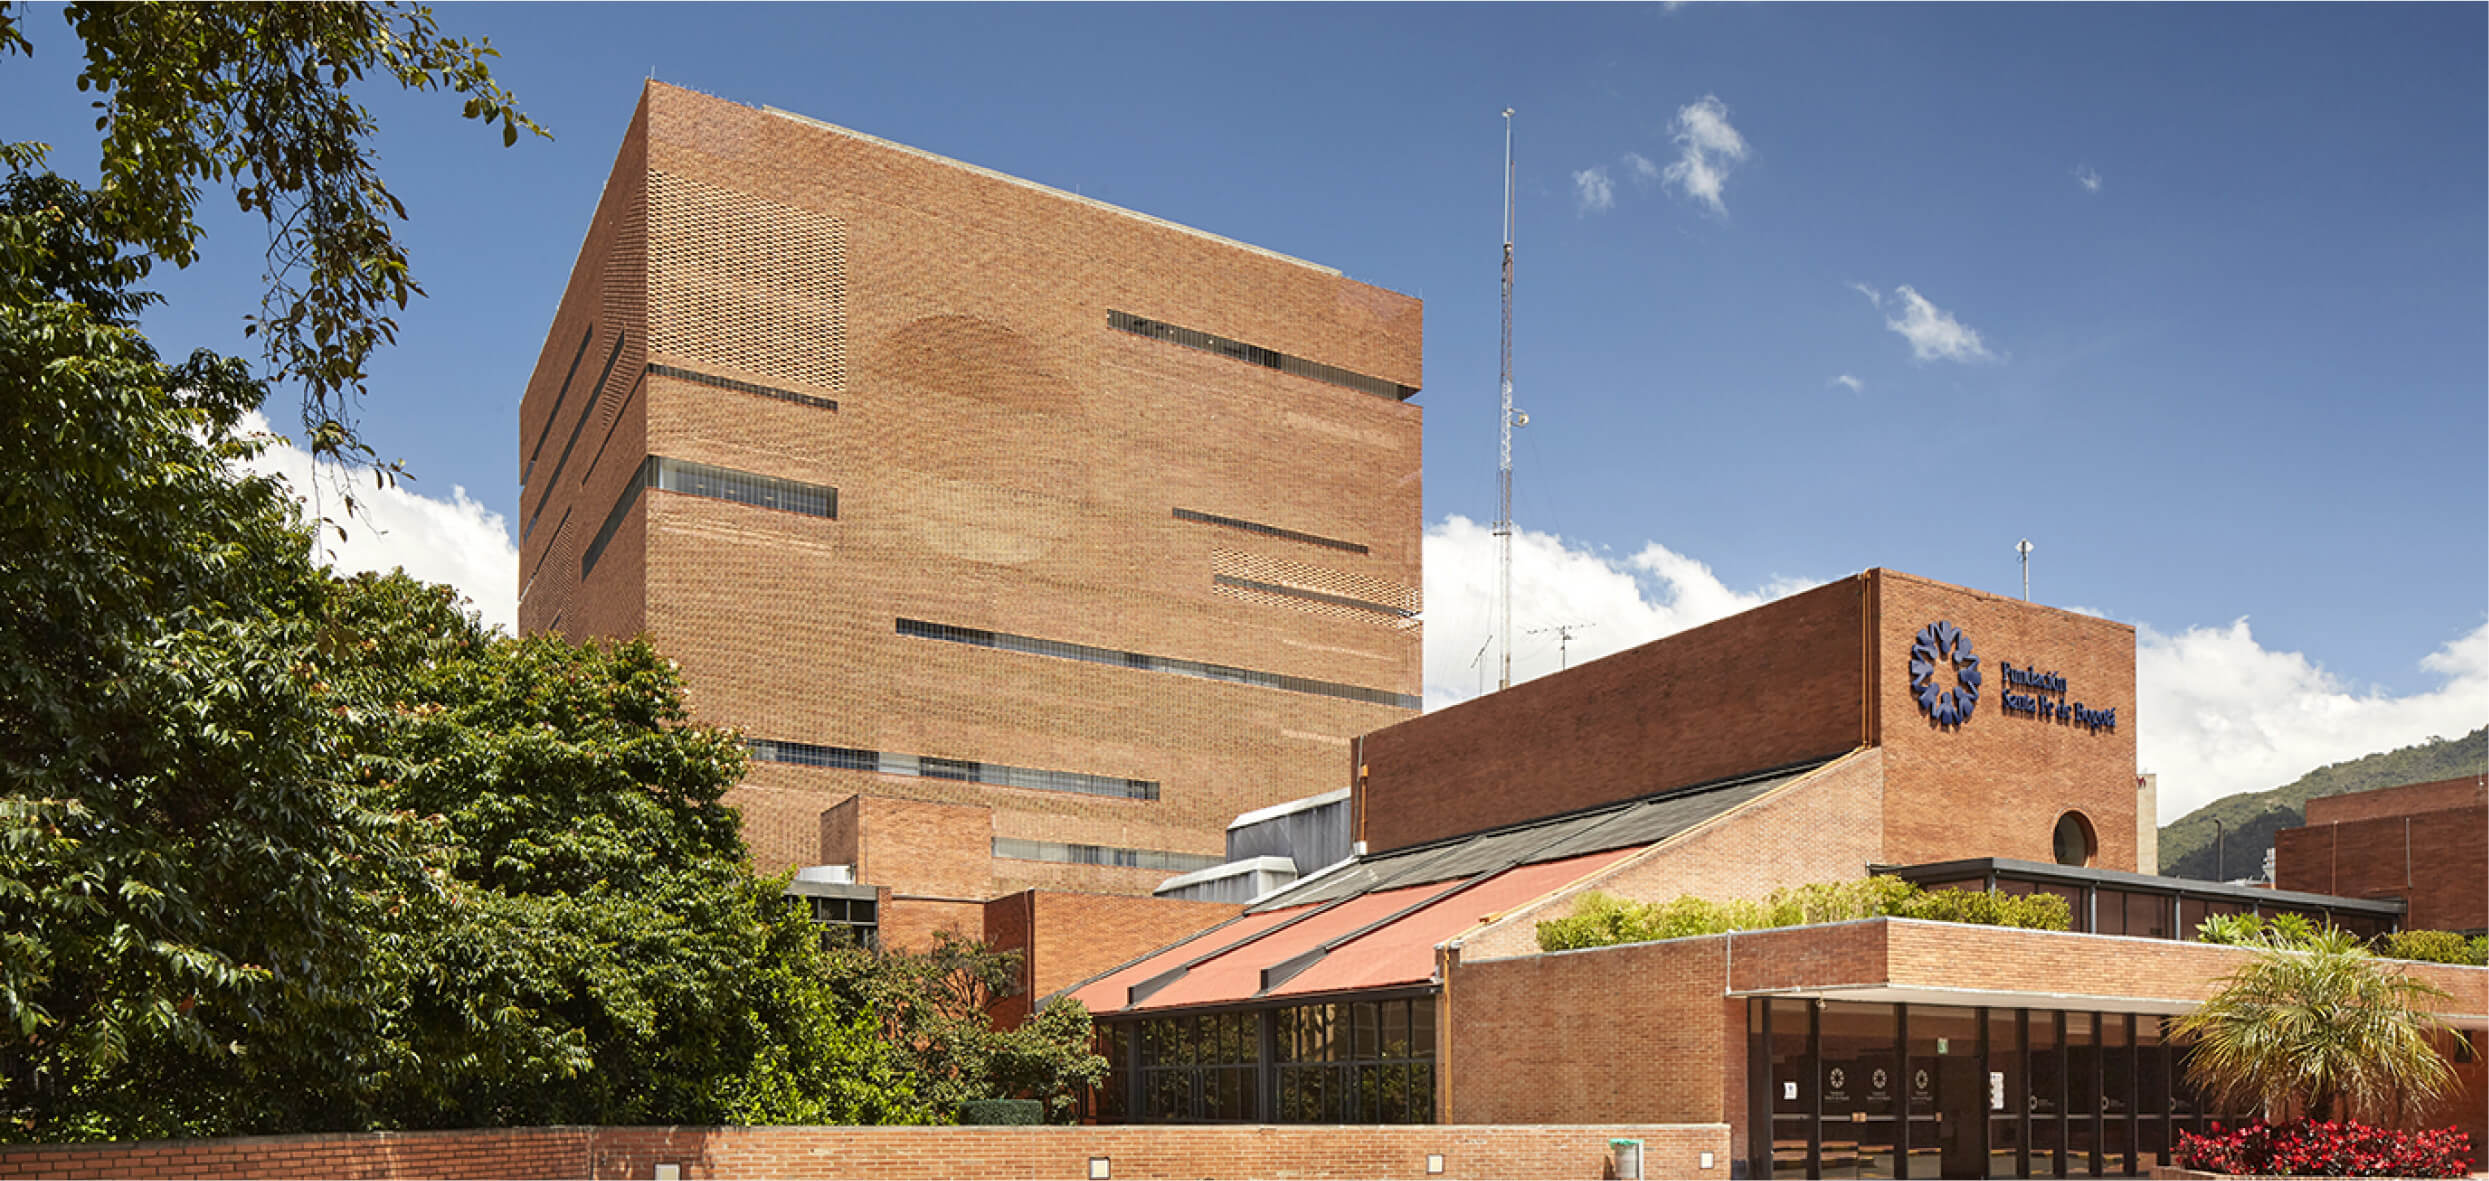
{"points": [[2075, 843]]}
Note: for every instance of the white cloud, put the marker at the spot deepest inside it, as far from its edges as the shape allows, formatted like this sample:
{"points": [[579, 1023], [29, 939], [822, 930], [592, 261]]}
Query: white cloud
{"points": [[1626, 601], [1933, 333], [1640, 168], [2219, 713], [1595, 192], [1706, 148], [2215, 712], [2084, 176], [1852, 384], [456, 541]]}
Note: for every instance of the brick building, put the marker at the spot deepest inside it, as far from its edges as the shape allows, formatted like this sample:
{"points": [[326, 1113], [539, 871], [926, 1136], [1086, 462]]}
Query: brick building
{"points": [[2425, 844], [1881, 724], [1028, 539]]}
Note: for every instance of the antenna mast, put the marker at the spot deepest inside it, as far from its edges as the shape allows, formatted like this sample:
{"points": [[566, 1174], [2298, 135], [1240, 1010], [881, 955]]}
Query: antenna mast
{"points": [[1503, 466]]}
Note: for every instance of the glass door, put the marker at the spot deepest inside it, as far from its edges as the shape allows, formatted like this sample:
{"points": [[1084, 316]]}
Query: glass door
{"points": [[1860, 1075]]}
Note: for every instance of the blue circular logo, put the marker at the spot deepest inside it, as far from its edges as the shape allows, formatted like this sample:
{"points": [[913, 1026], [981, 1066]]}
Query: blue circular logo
{"points": [[1942, 645]]}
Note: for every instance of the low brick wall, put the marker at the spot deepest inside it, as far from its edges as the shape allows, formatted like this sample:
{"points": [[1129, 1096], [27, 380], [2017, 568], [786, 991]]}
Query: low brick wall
{"points": [[1313, 1152], [487, 1154]]}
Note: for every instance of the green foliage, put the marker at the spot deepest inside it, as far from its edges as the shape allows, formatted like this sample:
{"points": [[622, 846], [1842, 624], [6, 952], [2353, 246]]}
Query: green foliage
{"points": [[2298, 933], [1002, 1112], [2249, 819], [2316, 1025], [602, 954], [262, 98], [2246, 930], [2435, 947], [283, 853], [190, 890], [2041, 912], [1602, 920], [936, 1032]]}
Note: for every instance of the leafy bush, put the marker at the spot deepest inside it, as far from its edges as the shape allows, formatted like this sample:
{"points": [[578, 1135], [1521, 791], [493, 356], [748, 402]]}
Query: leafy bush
{"points": [[1603, 920], [2292, 932], [1002, 1112], [2312, 1149], [2039, 912], [2434, 947], [2288, 931]]}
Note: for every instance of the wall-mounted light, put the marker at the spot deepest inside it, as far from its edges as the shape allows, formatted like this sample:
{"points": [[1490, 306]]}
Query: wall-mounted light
{"points": [[1434, 1164], [1101, 1168]]}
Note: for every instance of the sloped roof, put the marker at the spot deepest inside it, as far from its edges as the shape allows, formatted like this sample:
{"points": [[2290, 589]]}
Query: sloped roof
{"points": [[1632, 823], [1375, 924]]}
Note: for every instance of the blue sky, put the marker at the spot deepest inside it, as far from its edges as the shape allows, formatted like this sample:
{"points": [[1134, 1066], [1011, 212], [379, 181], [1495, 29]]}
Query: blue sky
{"points": [[2191, 296]]}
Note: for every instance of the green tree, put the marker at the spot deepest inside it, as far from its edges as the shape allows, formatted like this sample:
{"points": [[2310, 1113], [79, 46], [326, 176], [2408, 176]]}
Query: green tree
{"points": [[601, 954], [933, 1007], [189, 891], [2318, 1026], [260, 98]]}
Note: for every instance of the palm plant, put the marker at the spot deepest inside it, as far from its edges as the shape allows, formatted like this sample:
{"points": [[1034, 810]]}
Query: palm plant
{"points": [[2319, 1022]]}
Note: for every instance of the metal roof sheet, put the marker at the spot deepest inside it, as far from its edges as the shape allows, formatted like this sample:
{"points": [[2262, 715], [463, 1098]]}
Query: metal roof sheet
{"points": [[1644, 821]]}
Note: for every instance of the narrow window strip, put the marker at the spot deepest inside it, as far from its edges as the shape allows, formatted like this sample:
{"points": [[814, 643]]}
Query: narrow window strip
{"points": [[1317, 596], [1253, 354], [629, 496], [556, 414], [752, 488], [805, 754], [1063, 650], [1015, 849], [1185, 514], [615, 424], [546, 497], [551, 543], [745, 387]]}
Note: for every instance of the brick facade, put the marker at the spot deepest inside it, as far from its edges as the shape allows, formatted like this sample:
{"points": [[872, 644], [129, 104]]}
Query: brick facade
{"points": [[1995, 785], [1004, 460], [2425, 843], [1656, 1031], [1776, 685], [1825, 827], [900, 1154], [1065, 938], [1807, 677]]}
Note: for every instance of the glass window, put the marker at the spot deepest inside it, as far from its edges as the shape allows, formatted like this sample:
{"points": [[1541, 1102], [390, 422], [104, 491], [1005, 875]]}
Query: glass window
{"points": [[2152, 1137], [2109, 911], [1064, 650], [1945, 1093], [2082, 1135], [1792, 1085], [2117, 1094], [1859, 1077], [2047, 1096], [2147, 915], [2008, 1095], [2076, 905], [2074, 841]]}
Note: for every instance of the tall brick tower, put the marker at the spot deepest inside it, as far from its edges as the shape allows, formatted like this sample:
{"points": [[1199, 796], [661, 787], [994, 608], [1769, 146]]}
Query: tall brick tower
{"points": [[1027, 539]]}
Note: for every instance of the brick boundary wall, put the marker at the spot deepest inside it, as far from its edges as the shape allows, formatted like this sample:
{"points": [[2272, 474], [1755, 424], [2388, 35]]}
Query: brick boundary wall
{"points": [[1135, 1153]]}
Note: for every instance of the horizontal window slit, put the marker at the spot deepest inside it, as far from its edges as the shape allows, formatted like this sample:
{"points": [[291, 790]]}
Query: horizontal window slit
{"points": [[1014, 849], [806, 754], [745, 387], [1185, 514], [1193, 338], [1063, 650], [1317, 596]]}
